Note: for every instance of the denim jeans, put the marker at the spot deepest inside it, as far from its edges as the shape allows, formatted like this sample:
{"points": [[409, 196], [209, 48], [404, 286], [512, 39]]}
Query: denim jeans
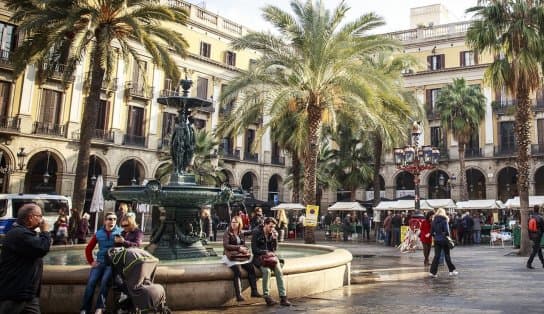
{"points": [[267, 273], [100, 273], [395, 236], [477, 236]]}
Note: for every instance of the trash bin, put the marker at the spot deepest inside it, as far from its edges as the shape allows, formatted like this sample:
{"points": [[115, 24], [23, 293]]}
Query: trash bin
{"points": [[516, 235]]}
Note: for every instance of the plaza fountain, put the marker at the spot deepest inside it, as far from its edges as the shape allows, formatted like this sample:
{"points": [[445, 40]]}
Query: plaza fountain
{"points": [[189, 271]]}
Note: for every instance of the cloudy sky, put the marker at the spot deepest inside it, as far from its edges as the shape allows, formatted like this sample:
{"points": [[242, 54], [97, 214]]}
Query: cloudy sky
{"points": [[395, 12]]}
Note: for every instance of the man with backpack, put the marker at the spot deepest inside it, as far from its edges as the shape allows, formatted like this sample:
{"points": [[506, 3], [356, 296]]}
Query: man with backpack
{"points": [[536, 228]]}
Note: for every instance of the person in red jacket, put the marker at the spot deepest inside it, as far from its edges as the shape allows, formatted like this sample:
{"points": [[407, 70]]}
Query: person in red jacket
{"points": [[425, 236]]}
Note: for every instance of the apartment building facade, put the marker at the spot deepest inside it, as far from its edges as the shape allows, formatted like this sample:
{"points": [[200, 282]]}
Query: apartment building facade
{"points": [[40, 122], [491, 154]]}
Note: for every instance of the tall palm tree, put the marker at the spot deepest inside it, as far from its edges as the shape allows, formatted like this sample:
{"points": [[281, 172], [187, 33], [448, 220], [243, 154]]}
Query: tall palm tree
{"points": [[513, 31], [69, 29], [461, 109], [316, 63]]}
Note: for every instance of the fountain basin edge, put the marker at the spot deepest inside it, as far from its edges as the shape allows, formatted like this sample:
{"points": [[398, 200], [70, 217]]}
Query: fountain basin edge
{"points": [[195, 286]]}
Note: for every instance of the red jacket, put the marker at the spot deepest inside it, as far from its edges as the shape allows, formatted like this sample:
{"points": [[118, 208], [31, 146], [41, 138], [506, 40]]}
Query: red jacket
{"points": [[426, 229]]}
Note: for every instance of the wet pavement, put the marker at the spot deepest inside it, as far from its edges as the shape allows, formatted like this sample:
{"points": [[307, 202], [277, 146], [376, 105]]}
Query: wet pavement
{"points": [[490, 280]]}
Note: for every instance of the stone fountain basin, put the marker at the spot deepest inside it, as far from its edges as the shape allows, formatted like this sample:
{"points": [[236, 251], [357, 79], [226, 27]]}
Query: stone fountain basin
{"points": [[194, 286]]}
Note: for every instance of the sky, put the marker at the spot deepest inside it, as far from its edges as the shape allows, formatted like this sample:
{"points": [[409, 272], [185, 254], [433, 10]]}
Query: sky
{"points": [[396, 13]]}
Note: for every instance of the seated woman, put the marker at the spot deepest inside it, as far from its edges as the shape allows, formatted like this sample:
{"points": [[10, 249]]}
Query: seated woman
{"points": [[236, 254], [131, 236]]}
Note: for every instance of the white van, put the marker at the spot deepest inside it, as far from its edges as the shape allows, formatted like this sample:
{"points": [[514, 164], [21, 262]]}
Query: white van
{"points": [[50, 204]]}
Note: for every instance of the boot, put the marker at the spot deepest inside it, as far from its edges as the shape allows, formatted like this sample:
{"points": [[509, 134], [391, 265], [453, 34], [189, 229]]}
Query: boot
{"points": [[238, 289], [269, 301], [253, 284], [284, 301]]}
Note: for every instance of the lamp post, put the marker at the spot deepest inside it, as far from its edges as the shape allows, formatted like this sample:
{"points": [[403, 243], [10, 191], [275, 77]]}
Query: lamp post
{"points": [[414, 159]]}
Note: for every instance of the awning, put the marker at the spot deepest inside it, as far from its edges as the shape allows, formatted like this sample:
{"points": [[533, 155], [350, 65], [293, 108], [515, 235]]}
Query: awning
{"points": [[480, 204], [385, 205], [347, 206], [402, 205], [441, 203], [533, 200], [289, 206]]}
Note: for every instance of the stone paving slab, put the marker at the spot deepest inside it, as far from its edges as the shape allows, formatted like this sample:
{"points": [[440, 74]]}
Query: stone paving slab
{"points": [[491, 280]]}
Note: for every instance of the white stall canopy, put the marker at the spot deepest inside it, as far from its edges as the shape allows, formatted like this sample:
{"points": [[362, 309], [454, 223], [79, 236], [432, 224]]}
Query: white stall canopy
{"points": [[402, 205], [347, 206], [533, 200], [289, 206], [480, 204], [441, 203]]}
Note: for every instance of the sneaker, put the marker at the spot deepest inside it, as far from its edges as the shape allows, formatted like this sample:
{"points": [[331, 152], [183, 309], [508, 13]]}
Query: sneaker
{"points": [[454, 273], [122, 297], [432, 275], [99, 311]]}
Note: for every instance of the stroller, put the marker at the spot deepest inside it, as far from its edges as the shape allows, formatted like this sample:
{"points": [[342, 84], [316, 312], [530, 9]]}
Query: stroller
{"points": [[136, 268]]}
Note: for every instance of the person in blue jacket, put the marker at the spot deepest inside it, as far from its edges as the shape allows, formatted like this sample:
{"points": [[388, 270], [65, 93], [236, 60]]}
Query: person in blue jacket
{"points": [[440, 230], [105, 238]]}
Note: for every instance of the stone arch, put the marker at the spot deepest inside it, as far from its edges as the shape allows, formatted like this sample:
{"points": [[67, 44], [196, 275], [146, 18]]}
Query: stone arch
{"points": [[437, 184], [507, 183], [102, 160], [43, 170], [274, 188], [249, 182], [229, 177], [8, 163], [404, 184], [131, 172], [539, 181], [475, 184], [142, 163]]}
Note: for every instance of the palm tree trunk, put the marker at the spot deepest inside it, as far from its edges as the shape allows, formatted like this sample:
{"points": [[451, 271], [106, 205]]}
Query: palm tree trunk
{"points": [[462, 173], [89, 117], [310, 164], [378, 151], [523, 131], [295, 168]]}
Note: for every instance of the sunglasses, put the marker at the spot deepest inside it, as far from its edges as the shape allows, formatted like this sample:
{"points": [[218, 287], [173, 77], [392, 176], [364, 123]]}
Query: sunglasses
{"points": [[111, 218]]}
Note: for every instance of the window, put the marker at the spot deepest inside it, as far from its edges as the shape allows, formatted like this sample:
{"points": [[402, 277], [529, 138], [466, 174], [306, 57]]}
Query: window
{"points": [[202, 88], [138, 73], [227, 145], [205, 49], [472, 148], [507, 136], [468, 58], [436, 62], [7, 39], [540, 131], [250, 139], [431, 97], [437, 138], [50, 107], [5, 91], [135, 124], [230, 58], [103, 115]]}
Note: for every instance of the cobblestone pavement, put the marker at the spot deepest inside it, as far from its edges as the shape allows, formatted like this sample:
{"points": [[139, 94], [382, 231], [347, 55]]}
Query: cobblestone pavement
{"points": [[491, 280]]}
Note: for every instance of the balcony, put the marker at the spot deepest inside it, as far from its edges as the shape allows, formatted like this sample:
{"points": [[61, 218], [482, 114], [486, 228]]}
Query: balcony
{"points": [[504, 107], [50, 129], [134, 140], [164, 143], [539, 104], [229, 154], [169, 93], [12, 124], [56, 71], [98, 134], [425, 33], [5, 59], [505, 150], [139, 90], [251, 157], [473, 153], [537, 149], [433, 114], [278, 160]]}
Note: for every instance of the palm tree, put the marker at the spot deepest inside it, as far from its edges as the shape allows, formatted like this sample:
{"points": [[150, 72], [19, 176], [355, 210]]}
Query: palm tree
{"points": [[512, 30], [61, 29], [317, 64], [461, 109]]}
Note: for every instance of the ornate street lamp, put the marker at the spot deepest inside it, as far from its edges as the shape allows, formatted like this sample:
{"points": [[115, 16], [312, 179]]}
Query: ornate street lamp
{"points": [[414, 159]]}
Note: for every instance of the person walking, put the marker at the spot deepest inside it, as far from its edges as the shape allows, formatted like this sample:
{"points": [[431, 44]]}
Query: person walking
{"points": [[536, 237], [73, 225], [100, 271], [236, 255], [387, 228], [215, 223], [440, 231], [346, 228], [282, 224], [396, 223], [21, 262], [425, 236], [366, 226], [263, 241], [477, 228], [83, 229]]}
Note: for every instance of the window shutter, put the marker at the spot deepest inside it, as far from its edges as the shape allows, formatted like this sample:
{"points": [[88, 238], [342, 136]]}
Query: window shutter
{"points": [[475, 56], [201, 48], [442, 61], [462, 58], [428, 98], [429, 63]]}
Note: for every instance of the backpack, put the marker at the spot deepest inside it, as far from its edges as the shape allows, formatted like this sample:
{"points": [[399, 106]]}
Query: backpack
{"points": [[533, 224]]}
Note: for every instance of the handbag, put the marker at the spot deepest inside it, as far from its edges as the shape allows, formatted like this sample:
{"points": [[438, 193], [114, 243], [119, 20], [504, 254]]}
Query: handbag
{"points": [[451, 242], [269, 259], [237, 256]]}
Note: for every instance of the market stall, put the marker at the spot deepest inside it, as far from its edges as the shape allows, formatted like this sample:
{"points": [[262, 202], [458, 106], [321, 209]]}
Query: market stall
{"points": [[347, 207], [295, 207], [490, 208]]}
